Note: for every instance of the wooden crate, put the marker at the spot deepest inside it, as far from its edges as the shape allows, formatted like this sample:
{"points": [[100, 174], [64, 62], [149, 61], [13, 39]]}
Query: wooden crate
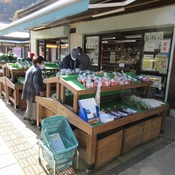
{"points": [[81, 137], [108, 148], [132, 136], [48, 113], [152, 128]]}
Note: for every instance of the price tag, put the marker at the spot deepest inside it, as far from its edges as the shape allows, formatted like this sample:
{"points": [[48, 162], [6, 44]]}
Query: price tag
{"points": [[121, 65]]}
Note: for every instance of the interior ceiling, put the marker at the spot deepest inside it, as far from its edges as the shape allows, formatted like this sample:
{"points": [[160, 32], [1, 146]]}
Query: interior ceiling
{"points": [[136, 6]]}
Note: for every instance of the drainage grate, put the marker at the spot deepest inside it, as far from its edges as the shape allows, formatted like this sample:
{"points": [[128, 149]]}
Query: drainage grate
{"points": [[120, 168]]}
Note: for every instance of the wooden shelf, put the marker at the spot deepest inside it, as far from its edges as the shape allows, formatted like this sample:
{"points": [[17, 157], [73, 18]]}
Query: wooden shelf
{"points": [[112, 50]]}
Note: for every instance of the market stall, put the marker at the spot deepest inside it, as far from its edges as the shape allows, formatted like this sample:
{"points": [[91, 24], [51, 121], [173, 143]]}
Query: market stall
{"points": [[13, 78], [101, 142]]}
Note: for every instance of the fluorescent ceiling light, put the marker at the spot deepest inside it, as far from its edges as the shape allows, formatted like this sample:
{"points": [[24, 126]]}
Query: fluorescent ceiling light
{"points": [[51, 46], [14, 41], [109, 12], [108, 38], [125, 41], [115, 4], [133, 36]]}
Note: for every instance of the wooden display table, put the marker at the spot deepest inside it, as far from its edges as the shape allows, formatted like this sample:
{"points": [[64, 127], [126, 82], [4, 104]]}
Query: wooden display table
{"points": [[94, 138], [90, 131], [10, 72], [78, 89], [2, 86], [13, 94], [49, 82], [1, 70]]}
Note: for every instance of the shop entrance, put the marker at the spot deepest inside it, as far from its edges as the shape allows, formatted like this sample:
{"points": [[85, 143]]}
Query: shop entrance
{"points": [[53, 50]]}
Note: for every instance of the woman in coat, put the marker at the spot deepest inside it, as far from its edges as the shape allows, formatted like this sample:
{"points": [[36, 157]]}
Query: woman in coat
{"points": [[33, 86]]}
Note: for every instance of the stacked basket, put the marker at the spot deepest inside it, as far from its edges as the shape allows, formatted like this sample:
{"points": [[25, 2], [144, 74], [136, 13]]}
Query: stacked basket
{"points": [[57, 142]]}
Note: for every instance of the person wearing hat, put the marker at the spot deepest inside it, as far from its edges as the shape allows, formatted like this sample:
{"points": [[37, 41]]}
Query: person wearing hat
{"points": [[33, 86], [71, 61]]}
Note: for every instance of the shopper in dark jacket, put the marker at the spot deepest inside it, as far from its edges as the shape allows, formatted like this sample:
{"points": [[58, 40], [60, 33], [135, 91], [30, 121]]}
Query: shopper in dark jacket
{"points": [[85, 63], [71, 61], [33, 86]]}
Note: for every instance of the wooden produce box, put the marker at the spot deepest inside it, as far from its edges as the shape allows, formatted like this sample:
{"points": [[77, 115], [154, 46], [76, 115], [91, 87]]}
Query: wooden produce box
{"points": [[108, 148], [48, 113], [152, 128], [132, 136], [81, 137]]}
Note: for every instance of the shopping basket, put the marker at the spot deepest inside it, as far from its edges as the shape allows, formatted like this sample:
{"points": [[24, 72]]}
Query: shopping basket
{"points": [[57, 144]]}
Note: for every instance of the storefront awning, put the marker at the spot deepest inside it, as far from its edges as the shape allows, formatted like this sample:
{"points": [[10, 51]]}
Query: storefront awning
{"points": [[58, 10]]}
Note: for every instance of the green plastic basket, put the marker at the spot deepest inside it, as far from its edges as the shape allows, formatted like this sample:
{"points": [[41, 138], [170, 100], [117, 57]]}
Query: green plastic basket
{"points": [[63, 157]]}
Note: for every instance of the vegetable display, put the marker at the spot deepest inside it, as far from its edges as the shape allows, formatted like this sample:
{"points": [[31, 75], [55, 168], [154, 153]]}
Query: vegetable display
{"points": [[8, 58], [21, 64], [141, 103]]}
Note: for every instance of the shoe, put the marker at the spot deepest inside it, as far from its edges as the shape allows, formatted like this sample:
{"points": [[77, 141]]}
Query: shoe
{"points": [[28, 119], [33, 122]]}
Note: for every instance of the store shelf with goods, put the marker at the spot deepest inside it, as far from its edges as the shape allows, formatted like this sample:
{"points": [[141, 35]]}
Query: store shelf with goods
{"points": [[115, 53], [93, 137]]}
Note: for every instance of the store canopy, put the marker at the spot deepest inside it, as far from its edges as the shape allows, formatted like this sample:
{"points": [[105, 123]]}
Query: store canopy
{"points": [[58, 10]]}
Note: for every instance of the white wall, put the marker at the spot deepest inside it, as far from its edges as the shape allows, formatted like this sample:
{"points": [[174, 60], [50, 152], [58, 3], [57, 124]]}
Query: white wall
{"points": [[75, 40], [140, 20]]}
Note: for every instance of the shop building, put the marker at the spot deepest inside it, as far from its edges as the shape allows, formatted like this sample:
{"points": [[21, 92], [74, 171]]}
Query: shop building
{"points": [[109, 41], [141, 41]]}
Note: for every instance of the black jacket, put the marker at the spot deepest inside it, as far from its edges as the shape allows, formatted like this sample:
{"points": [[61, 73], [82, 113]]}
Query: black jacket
{"points": [[85, 63], [68, 62]]}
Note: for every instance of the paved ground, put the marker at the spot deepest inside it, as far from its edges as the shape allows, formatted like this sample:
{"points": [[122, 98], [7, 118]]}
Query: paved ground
{"points": [[19, 151]]}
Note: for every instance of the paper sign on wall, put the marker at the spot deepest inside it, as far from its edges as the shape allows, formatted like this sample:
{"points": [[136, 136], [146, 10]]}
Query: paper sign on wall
{"points": [[165, 46], [147, 62], [153, 41]]}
